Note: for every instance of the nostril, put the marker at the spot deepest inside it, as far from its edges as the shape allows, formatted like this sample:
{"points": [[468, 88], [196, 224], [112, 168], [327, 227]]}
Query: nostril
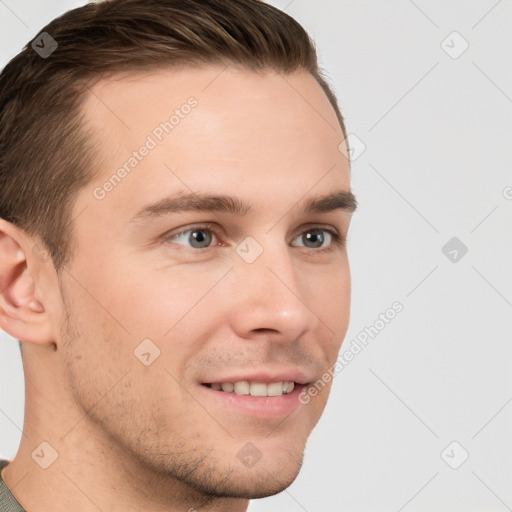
{"points": [[264, 330]]}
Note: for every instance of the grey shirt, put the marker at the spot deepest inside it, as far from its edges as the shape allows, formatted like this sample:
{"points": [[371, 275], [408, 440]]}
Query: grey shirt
{"points": [[8, 502]]}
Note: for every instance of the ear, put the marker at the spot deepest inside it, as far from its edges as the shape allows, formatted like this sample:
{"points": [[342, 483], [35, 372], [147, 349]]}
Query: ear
{"points": [[22, 311]]}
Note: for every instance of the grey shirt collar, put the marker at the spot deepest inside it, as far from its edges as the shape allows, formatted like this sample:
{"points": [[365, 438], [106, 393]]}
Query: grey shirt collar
{"points": [[8, 502]]}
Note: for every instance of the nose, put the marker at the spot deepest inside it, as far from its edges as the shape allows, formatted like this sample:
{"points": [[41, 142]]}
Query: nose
{"points": [[269, 298]]}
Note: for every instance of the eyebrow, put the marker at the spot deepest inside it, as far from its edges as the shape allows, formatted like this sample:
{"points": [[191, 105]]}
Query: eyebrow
{"points": [[231, 204]]}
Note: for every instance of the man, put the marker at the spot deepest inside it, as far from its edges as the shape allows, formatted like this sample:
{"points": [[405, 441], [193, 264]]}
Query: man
{"points": [[174, 205]]}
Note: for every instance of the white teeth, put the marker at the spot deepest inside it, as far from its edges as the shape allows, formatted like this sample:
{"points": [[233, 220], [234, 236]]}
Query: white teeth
{"points": [[242, 387], [289, 387], [245, 387], [258, 389], [275, 389], [227, 387]]}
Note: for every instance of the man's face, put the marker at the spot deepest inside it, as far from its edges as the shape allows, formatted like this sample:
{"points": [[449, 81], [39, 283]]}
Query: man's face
{"points": [[249, 300]]}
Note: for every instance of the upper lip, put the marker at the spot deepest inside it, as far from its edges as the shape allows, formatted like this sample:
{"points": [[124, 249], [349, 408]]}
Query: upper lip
{"points": [[266, 376]]}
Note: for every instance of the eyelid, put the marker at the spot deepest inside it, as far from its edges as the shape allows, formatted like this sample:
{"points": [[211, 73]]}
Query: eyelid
{"points": [[327, 227]]}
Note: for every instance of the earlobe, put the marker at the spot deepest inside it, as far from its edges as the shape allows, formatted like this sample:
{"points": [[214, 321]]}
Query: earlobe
{"points": [[22, 314]]}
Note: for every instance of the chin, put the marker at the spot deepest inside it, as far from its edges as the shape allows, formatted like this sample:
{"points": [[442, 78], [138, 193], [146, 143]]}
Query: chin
{"points": [[253, 484], [260, 481], [265, 489]]}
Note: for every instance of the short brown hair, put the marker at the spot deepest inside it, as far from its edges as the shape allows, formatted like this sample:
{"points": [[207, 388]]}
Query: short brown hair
{"points": [[45, 153]]}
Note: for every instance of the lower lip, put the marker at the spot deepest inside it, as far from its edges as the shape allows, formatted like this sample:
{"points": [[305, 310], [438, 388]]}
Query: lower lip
{"points": [[258, 406]]}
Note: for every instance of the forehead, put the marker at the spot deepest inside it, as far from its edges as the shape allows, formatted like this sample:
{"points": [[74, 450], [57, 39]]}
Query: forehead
{"points": [[214, 128]]}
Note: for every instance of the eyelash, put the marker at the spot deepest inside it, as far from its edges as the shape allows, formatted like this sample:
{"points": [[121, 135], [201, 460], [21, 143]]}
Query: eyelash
{"points": [[337, 239]]}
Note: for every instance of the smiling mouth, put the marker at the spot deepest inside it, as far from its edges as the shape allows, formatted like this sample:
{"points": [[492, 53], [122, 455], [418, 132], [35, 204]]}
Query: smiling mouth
{"points": [[254, 388]]}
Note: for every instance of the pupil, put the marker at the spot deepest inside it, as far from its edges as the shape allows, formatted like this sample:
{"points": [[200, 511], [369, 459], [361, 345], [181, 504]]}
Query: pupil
{"points": [[198, 236], [316, 238]]}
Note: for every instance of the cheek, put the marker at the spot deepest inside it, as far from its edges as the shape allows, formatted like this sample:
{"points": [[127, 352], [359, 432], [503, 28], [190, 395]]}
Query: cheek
{"points": [[116, 389], [160, 302], [328, 295], [112, 312]]}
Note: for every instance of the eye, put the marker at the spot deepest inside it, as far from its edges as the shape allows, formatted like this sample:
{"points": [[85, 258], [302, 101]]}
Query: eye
{"points": [[201, 237], [316, 238], [198, 237]]}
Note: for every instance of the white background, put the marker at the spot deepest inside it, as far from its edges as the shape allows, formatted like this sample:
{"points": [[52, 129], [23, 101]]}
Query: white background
{"points": [[438, 133]]}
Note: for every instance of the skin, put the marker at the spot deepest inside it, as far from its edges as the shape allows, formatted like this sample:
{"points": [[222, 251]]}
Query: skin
{"points": [[137, 437]]}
